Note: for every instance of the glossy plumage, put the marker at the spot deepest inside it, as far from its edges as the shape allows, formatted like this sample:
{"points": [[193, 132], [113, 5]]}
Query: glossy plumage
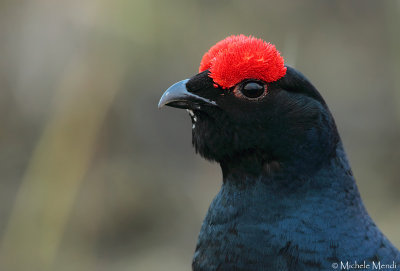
{"points": [[288, 200]]}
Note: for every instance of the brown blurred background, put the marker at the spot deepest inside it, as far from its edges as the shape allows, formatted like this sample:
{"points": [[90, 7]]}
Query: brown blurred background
{"points": [[95, 177]]}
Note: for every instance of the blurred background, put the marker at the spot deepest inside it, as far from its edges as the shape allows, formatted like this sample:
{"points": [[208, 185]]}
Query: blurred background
{"points": [[94, 177]]}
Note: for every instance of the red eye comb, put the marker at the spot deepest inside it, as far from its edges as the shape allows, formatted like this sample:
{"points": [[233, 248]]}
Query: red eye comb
{"points": [[236, 58]]}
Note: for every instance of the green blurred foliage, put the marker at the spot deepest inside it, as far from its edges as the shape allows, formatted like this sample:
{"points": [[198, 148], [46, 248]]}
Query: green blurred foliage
{"points": [[95, 177]]}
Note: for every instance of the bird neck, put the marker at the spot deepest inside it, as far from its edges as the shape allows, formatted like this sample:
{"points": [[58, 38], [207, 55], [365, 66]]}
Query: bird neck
{"points": [[331, 189], [288, 162], [252, 168]]}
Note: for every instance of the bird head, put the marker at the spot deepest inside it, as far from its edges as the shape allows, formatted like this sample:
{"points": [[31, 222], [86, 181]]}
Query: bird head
{"points": [[250, 110]]}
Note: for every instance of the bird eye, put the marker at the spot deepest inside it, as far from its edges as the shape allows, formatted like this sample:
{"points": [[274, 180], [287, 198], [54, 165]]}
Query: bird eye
{"points": [[252, 90]]}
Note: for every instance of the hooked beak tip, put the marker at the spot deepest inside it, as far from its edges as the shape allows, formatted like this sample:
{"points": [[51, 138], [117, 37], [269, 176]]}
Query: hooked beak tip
{"points": [[173, 93]]}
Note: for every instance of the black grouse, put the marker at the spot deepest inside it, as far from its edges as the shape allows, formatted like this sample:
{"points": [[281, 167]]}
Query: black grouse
{"points": [[288, 200]]}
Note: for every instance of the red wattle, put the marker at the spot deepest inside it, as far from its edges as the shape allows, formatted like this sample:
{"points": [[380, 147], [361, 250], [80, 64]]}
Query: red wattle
{"points": [[240, 57]]}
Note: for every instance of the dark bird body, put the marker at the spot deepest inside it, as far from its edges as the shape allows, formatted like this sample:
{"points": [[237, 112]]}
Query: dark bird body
{"points": [[288, 199], [290, 223]]}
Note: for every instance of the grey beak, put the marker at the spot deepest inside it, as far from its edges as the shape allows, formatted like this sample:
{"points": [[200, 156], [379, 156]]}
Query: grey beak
{"points": [[178, 96]]}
